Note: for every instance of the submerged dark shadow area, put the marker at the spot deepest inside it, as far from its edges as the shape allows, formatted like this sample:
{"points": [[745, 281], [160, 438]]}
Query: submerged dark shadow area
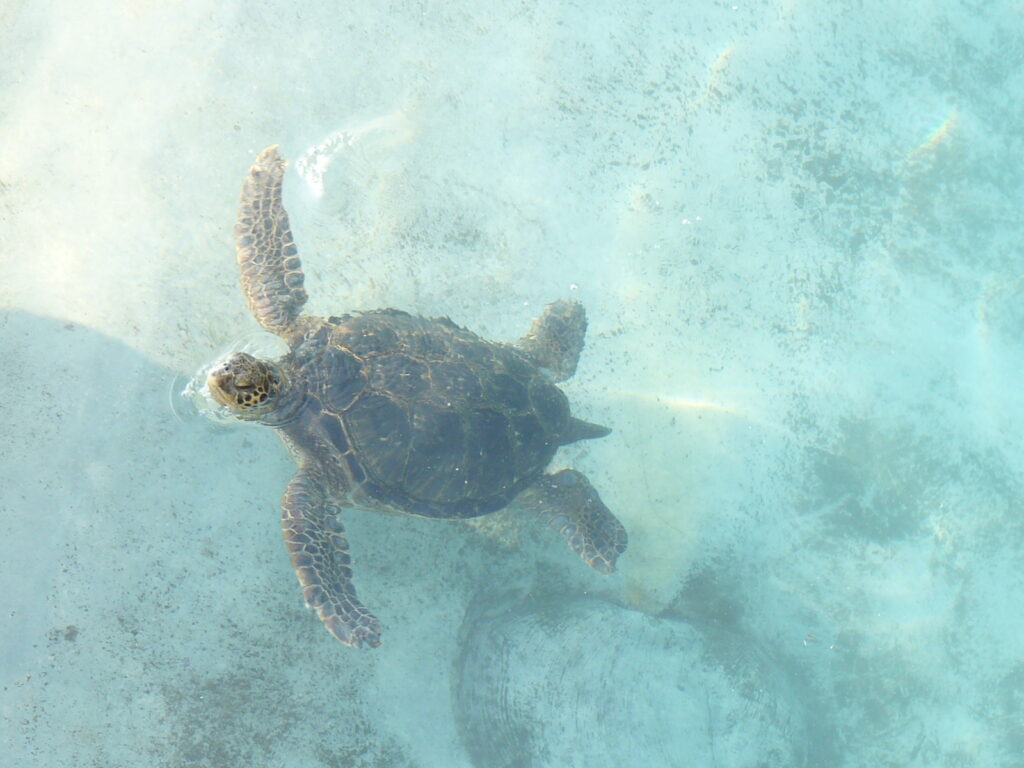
{"points": [[145, 570], [574, 680], [149, 611]]}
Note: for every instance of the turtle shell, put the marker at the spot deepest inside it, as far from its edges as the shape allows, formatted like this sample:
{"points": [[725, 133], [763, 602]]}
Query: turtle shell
{"points": [[426, 417]]}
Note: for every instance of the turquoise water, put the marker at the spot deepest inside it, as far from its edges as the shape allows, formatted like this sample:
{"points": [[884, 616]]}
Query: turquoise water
{"points": [[795, 227]]}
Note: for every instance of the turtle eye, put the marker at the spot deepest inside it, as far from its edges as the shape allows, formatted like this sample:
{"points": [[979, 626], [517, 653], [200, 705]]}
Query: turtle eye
{"points": [[243, 380]]}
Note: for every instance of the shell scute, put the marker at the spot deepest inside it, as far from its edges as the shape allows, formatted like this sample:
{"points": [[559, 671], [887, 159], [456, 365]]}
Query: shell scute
{"points": [[427, 417]]}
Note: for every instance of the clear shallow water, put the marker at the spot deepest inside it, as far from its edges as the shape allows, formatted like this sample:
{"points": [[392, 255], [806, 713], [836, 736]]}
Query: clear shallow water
{"points": [[795, 227]]}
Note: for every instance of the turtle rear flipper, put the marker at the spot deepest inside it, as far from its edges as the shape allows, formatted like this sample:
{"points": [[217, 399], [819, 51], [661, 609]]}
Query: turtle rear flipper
{"points": [[569, 504], [555, 339], [271, 271], [319, 552]]}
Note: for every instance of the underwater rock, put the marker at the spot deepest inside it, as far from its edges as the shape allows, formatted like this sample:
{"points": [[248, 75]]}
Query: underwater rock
{"points": [[583, 682]]}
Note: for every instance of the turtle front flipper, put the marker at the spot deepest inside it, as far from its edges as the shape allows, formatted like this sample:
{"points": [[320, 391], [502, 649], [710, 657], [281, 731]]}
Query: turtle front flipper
{"points": [[555, 339], [568, 503], [271, 271], [319, 551]]}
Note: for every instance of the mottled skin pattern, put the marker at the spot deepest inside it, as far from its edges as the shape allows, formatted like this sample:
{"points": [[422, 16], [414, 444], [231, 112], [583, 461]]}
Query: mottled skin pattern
{"points": [[271, 271], [556, 339], [398, 413]]}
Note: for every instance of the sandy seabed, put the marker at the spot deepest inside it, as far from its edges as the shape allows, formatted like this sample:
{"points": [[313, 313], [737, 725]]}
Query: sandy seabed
{"points": [[796, 230]]}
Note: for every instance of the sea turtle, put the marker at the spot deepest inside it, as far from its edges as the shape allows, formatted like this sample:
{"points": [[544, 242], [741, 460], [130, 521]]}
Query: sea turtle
{"points": [[389, 411]]}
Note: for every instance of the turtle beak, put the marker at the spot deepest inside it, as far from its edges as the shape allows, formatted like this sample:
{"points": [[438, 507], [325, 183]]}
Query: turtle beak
{"points": [[226, 379], [220, 383]]}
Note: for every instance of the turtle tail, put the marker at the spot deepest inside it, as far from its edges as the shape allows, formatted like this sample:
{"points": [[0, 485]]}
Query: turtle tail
{"points": [[577, 429]]}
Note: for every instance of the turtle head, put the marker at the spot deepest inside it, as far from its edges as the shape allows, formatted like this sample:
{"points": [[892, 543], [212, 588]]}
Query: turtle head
{"points": [[247, 386]]}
